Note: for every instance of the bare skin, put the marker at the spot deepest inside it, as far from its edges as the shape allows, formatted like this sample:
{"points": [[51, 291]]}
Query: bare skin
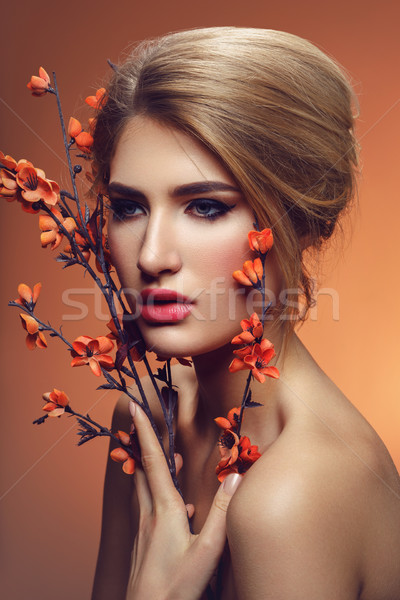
{"points": [[318, 516]]}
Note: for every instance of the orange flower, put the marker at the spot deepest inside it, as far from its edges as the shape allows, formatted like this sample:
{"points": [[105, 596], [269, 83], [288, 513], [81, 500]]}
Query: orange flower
{"points": [[24, 163], [257, 360], [97, 101], [251, 329], [261, 241], [242, 352], [82, 244], [123, 437], [251, 274], [35, 186], [39, 85], [120, 455], [93, 352], [228, 442], [51, 234], [82, 139], [8, 162], [237, 455], [74, 127], [85, 248], [9, 188], [93, 232], [35, 337], [56, 401], [26, 296], [230, 422], [229, 450], [29, 207], [248, 452], [14, 186], [81, 241]]}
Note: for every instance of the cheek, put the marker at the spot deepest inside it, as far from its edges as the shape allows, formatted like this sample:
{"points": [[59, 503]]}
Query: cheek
{"points": [[214, 258], [224, 300], [124, 252], [221, 250], [227, 301]]}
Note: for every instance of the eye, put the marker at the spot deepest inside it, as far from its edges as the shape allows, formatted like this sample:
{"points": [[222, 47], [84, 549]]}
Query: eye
{"points": [[206, 208], [125, 209]]}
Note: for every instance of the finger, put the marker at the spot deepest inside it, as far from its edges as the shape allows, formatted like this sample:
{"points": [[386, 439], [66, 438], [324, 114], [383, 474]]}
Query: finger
{"points": [[214, 529], [143, 492], [190, 510], [153, 461], [178, 462]]}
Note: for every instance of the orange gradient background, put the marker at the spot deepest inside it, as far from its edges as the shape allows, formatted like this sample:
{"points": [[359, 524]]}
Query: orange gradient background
{"points": [[51, 491]]}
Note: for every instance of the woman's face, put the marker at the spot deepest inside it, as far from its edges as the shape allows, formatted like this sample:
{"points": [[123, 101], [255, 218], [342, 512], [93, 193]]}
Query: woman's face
{"points": [[177, 231]]}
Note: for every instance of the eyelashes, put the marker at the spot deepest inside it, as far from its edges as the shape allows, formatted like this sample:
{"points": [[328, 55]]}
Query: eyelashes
{"points": [[209, 209], [205, 209], [124, 209]]}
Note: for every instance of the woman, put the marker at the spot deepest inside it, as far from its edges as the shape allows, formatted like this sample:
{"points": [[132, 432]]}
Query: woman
{"points": [[204, 133]]}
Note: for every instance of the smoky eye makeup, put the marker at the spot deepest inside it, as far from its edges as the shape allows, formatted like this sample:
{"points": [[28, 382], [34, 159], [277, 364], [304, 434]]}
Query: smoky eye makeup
{"points": [[201, 200], [207, 208], [122, 208]]}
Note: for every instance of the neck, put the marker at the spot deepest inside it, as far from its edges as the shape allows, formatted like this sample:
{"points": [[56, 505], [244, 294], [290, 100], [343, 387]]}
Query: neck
{"points": [[219, 391]]}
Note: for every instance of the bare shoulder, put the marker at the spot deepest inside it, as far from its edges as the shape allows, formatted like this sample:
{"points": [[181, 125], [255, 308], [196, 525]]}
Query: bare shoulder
{"points": [[326, 504], [328, 450], [304, 472]]}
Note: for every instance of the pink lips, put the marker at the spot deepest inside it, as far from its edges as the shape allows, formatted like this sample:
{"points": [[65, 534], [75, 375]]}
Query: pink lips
{"points": [[164, 306]]}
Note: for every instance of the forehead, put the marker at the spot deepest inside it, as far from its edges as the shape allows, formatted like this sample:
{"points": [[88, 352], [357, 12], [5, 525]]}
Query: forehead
{"points": [[148, 151]]}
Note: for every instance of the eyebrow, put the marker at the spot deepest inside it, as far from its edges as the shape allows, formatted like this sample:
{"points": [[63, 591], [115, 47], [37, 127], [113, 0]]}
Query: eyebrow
{"points": [[189, 189]]}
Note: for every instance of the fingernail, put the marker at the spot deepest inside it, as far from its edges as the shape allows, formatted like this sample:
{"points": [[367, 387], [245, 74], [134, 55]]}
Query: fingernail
{"points": [[132, 408], [231, 483]]}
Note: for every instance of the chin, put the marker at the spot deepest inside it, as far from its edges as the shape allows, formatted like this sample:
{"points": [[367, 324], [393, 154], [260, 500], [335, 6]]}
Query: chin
{"points": [[169, 342]]}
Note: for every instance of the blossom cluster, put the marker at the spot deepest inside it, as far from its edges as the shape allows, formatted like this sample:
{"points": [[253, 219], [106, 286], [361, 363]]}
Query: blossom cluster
{"points": [[28, 185], [63, 218], [237, 453], [255, 354]]}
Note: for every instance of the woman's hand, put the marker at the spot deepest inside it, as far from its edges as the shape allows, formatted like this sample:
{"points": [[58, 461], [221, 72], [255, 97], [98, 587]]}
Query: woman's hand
{"points": [[168, 561]]}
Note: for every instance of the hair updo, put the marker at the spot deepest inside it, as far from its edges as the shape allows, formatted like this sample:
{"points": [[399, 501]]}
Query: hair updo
{"points": [[272, 107]]}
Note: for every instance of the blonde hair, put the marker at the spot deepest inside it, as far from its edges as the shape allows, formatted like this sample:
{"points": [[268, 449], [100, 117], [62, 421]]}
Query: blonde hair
{"points": [[276, 111]]}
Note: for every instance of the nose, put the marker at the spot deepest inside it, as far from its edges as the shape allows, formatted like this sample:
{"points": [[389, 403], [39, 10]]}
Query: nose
{"points": [[159, 250]]}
